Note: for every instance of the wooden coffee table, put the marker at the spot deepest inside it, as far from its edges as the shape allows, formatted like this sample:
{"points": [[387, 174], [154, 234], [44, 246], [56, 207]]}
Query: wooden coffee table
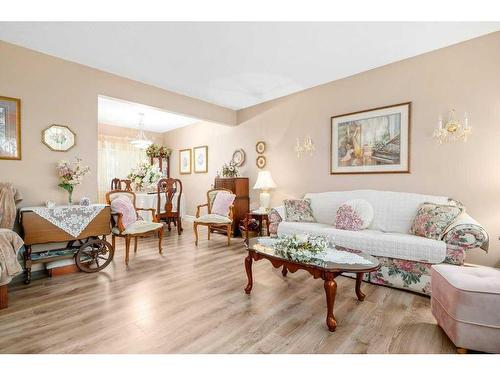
{"points": [[258, 248]]}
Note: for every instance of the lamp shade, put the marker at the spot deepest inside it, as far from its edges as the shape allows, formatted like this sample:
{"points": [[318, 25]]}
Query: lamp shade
{"points": [[264, 181]]}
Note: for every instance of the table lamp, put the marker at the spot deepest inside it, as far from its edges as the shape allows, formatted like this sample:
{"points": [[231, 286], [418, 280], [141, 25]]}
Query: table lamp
{"points": [[264, 183]]}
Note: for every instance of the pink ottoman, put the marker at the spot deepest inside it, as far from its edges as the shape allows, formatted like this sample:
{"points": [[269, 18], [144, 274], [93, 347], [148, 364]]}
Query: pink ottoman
{"points": [[466, 304]]}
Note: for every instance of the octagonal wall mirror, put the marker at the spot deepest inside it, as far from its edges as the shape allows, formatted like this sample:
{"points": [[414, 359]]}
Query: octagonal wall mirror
{"points": [[59, 138]]}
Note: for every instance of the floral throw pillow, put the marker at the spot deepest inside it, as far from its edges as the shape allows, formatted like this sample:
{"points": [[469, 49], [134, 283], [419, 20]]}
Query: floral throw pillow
{"points": [[299, 210], [355, 214], [433, 219]]}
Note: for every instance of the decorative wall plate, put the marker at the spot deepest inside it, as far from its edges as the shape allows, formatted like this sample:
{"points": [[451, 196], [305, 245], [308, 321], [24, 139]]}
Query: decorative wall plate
{"points": [[239, 157], [58, 138], [260, 147], [261, 161]]}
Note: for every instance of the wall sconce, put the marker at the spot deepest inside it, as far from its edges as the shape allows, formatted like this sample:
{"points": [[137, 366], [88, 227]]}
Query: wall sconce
{"points": [[452, 130], [306, 147]]}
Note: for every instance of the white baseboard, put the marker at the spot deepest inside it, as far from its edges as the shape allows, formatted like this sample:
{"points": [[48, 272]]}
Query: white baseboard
{"points": [[189, 218]]}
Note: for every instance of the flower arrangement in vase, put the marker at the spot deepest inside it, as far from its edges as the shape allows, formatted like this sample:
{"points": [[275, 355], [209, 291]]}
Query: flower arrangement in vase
{"points": [[301, 247], [71, 175], [229, 170], [145, 174]]}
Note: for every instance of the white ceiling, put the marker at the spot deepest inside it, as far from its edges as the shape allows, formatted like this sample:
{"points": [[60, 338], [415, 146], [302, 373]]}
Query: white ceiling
{"points": [[241, 64], [126, 114]]}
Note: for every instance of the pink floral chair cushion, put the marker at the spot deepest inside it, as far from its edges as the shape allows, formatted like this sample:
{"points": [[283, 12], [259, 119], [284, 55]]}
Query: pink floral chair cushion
{"points": [[221, 203], [299, 210], [124, 206], [432, 219], [355, 214]]}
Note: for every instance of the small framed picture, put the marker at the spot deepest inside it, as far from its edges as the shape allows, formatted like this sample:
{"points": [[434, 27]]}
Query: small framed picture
{"points": [[10, 128], [185, 161], [58, 138], [200, 156], [261, 161], [260, 147]]}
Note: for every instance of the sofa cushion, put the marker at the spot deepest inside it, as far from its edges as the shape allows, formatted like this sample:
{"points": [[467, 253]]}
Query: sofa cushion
{"points": [[355, 214], [298, 210], [375, 242], [393, 211], [432, 219]]}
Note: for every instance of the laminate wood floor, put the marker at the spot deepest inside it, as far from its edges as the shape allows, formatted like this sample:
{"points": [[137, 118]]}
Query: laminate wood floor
{"points": [[191, 300]]}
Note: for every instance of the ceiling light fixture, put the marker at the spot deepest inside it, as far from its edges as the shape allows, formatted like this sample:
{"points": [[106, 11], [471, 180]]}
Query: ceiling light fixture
{"points": [[141, 141]]}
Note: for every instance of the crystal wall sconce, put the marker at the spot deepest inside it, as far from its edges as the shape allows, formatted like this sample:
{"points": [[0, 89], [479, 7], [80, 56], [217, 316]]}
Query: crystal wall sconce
{"points": [[452, 130], [306, 147]]}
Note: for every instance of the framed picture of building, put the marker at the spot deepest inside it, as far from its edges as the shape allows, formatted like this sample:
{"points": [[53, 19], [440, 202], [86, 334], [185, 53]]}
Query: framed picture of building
{"points": [[10, 128], [371, 141]]}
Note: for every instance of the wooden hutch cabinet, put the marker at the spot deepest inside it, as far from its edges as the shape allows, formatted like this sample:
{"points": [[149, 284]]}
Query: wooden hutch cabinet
{"points": [[239, 187]]}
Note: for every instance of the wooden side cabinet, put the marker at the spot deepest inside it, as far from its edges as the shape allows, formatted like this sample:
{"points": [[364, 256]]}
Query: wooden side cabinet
{"points": [[240, 187]]}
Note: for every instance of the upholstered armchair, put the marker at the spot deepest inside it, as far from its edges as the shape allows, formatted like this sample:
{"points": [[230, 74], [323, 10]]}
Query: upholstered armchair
{"points": [[221, 218], [127, 222]]}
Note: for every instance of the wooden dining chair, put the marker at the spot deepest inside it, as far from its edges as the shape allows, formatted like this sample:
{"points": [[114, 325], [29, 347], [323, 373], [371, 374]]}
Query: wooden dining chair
{"points": [[211, 220], [171, 189], [116, 184], [139, 228]]}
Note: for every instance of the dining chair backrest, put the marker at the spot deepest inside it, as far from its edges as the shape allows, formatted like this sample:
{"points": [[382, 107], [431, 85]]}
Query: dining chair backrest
{"points": [[171, 188], [116, 184], [211, 194]]}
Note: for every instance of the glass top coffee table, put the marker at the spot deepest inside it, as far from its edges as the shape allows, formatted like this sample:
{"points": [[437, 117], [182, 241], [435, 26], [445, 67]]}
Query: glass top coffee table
{"points": [[334, 263]]}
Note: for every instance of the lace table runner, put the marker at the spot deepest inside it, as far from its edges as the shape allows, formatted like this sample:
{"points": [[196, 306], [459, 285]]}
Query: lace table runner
{"points": [[71, 219], [344, 257]]}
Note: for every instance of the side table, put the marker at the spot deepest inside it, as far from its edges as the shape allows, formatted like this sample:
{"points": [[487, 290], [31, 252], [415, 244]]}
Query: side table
{"points": [[261, 217]]}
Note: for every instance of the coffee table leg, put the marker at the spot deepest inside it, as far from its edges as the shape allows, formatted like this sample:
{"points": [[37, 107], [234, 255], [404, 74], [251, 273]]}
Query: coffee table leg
{"points": [[248, 268], [330, 291], [361, 296], [284, 271]]}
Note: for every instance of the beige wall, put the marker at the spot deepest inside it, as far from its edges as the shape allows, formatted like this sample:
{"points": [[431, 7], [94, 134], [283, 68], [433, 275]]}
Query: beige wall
{"points": [[55, 91], [465, 77]]}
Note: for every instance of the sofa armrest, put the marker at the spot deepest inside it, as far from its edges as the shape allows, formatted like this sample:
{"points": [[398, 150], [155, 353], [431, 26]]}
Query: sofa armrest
{"points": [[275, 218], [466, 233]]}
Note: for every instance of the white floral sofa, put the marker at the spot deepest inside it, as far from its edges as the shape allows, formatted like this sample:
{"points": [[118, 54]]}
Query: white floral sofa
{"points": [[406, 259]]}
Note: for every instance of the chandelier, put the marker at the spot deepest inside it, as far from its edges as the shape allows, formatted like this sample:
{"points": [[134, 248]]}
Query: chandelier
{"points": [[141, 141], [452, 130]]}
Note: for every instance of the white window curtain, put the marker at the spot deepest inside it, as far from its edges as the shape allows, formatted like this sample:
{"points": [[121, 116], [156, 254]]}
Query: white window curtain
{"points": [[116, 157]]}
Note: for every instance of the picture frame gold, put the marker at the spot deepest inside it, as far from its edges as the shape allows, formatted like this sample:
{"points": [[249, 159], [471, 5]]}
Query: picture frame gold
{"points": [[10, 123], [260, 147], [187, 169], [354, 152], [51, 144], [200, 159], [261, 161]]}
